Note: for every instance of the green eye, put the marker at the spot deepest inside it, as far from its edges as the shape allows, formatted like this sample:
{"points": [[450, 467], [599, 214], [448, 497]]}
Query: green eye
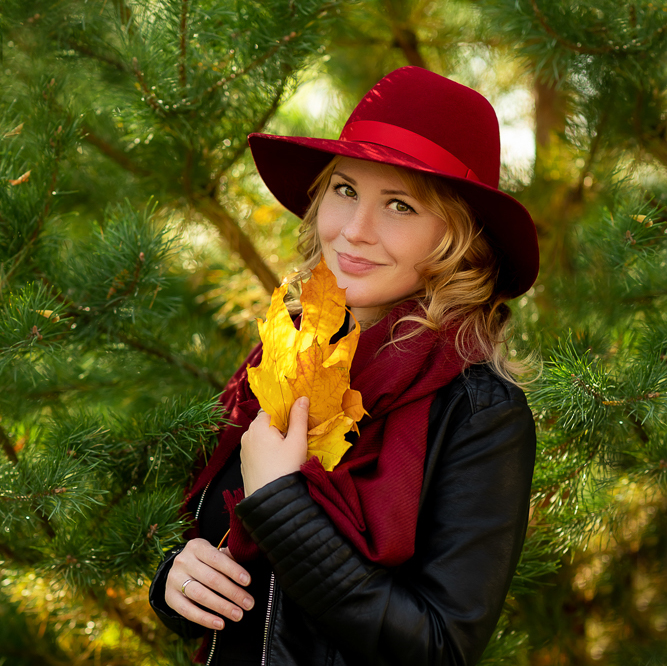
{"points": [[348, 191], [401, 207]]}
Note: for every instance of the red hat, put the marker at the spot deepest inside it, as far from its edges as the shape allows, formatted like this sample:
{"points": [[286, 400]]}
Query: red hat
{"points": [[416, 119]]}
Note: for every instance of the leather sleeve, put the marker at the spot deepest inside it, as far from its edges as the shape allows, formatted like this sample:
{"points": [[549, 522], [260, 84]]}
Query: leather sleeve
{"points": [[441, 606]]}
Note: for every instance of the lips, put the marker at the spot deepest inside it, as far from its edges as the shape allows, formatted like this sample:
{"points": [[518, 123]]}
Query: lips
{"points": [[354, 265]]}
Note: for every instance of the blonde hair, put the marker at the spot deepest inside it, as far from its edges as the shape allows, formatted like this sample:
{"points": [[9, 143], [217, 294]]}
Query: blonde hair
{"points": [[460, 275]]}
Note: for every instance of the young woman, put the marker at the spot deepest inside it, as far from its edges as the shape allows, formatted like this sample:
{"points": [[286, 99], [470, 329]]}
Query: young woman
{"points": [[402, 554]]}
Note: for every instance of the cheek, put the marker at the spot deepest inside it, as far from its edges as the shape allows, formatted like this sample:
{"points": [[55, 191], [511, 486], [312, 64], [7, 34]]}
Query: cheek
{"points": [[432, 238], [327, 230], [410, 251]]}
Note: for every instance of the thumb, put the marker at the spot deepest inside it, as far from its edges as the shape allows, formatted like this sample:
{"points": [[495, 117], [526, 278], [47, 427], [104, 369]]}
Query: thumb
{"points": [[298, 418]]}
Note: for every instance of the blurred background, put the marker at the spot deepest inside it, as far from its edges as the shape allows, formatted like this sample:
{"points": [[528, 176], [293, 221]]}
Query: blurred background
{"points": [[138, 246]]}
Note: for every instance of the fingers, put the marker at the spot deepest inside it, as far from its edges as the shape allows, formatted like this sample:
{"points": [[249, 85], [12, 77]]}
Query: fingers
{"points": [[267, 455], [228, 552], [298, 419], [216, 582]]}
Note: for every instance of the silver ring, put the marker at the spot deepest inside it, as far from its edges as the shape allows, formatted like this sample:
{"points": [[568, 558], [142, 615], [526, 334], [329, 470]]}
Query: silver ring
{"points": [[189, 580]]}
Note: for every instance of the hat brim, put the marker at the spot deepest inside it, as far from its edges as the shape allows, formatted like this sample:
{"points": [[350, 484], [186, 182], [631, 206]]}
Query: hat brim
{"points": [[289, 165]]}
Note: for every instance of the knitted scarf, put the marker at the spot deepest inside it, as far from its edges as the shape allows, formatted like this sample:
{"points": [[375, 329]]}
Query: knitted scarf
{"points": [[372, 496]]}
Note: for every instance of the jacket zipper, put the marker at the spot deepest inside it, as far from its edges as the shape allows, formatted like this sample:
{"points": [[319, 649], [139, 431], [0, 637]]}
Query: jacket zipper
{"points": [[210, 656], [201, 501], [215, 631], [269, 607]]}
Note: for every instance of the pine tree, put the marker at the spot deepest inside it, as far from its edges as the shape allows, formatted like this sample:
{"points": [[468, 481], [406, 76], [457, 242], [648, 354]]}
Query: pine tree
{"points": [[122, 139], [599, 195]]}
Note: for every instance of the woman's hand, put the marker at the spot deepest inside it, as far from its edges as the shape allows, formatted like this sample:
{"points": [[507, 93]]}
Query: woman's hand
{"points": [[267, 454], [209, 570]]}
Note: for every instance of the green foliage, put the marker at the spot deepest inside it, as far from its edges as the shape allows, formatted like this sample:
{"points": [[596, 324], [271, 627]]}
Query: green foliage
{"points": [[601, 405], [609, 56], [122, 132], [23, 643]]}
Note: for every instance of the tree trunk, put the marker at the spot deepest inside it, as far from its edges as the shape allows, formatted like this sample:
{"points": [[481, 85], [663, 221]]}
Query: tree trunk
{"points": [[237, 240]]}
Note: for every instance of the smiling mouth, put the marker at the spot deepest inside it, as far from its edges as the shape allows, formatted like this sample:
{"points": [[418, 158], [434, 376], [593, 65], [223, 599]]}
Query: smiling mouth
{"points": [[355, 265]]}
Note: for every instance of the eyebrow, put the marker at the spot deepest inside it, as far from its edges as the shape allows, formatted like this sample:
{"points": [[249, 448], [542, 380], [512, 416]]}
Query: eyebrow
{"points": [[354, 182]]}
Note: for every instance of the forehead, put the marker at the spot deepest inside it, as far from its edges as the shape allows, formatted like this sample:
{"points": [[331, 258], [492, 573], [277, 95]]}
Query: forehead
{"points": [[383, 174]]}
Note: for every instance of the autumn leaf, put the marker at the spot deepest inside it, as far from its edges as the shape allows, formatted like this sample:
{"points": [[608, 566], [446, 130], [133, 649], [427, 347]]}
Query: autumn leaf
{"points": [[21, 179], [323, 303], [48, 314], [328, 442], [14, 132], [313, 378], [267, 381], [302, 362]]}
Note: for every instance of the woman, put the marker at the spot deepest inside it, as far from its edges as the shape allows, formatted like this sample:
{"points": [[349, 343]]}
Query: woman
{"points": [[403, 554]]}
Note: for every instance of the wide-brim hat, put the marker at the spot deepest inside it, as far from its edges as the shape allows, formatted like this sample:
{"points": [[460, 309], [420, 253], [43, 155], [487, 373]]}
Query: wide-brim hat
{"points": [[416, 119]]}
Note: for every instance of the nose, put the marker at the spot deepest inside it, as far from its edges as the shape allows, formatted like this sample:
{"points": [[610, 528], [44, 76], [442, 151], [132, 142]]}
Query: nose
{"points": [[360, 227]]}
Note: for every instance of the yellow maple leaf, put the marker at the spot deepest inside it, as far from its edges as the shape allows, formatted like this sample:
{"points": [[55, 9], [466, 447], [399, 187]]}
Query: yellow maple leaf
{"points": [[267, 381], [302, 362], [328, 442]]}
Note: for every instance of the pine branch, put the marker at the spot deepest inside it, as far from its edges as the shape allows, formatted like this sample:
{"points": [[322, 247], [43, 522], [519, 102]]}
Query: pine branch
{"points": [[577, 48], [126, 17], [32, 496], [19, 258], [227, 226], [257, 61], [409, 44], [149, 96], [134, 342], [237, 239], [172, 359], [645, 298], [57, 391], [119, 282], [591, 50], [405, 38], [46, 524], [182, 71], [575, 195], [243, 72], [241, 148], [612, 402], [13, 458], [84, 49], [118, 156], [7, 447], [550, 490]]}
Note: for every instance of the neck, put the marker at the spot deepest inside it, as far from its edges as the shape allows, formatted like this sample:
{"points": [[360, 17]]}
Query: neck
{"points": [[365, 316]]}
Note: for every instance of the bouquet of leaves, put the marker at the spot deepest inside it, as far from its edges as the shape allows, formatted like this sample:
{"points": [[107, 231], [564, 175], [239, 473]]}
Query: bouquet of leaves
{"points": [[301, 361]]}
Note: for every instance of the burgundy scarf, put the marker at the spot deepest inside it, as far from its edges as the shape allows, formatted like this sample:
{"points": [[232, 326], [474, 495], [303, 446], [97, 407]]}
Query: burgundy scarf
{"points": [[372, 496]]}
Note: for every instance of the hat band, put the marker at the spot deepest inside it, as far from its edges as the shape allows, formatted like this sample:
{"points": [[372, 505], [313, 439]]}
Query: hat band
{"points": [[410, 143]]}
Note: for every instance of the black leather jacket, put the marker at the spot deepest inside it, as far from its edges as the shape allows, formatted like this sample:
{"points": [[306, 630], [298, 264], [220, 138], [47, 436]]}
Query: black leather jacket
{"points": [[329, 606]]}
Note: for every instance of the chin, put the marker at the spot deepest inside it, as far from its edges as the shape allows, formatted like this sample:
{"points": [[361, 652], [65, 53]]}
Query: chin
{"points": [[357, 301]]}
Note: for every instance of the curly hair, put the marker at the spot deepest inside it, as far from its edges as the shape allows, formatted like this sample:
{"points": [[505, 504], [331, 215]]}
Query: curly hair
{"points": [[459, 276]]}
